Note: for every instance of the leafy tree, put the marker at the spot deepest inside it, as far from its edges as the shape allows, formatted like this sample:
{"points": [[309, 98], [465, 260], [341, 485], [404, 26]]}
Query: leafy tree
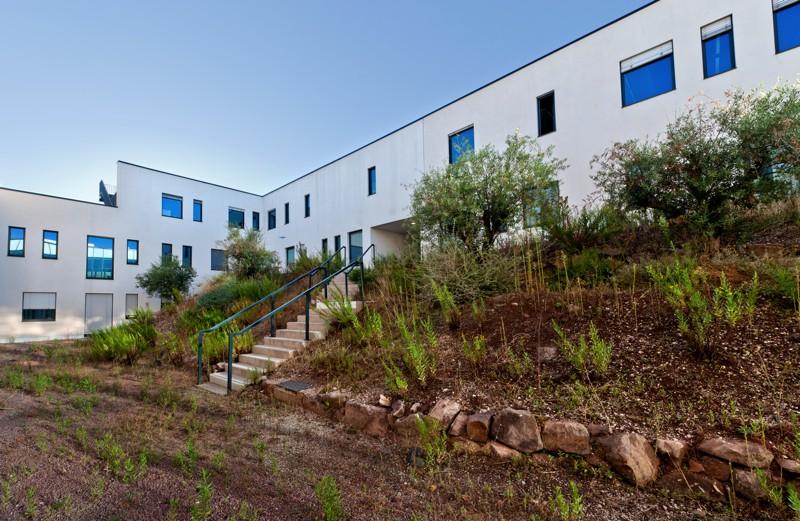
{"points": [[711, 161], [246, 255], [485, 193], [166, 278]]}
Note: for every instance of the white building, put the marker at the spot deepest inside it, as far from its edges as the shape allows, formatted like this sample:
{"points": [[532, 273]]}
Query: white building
{"points": [[624, 80]]}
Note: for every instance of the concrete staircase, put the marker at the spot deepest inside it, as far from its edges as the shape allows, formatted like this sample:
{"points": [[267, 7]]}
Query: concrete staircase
{"points": [[273, 351]]}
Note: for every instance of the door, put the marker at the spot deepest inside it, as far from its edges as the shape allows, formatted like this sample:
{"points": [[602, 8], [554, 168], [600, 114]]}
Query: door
{"points": [[99, 311], [356, 244]]}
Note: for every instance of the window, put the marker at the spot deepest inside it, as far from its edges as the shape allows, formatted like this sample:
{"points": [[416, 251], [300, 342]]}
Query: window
{"points": [[289, 256], [166, 249], [217, 260], [99, 257], [546, 105], [648, 74], [372, 181], [461, 143], [271, 220], [718, 52], [172, 206], [131, 304], [325, 247], [337, 244], [16, 241], [538, 201], [235, 218], [356, 245], [133, 252], [307, 205], [256, 221], [38, 307], [186, 258], [786, 18], [49, 244], [197, 211], [286, 213]]}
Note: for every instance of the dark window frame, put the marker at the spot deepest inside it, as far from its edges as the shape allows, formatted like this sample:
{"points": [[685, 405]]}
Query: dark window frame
{"points": [[183, 256], [272, 219], [128, 248], [670, 56], [703, 48], [171, 250], [49, 257], [286, 213], [232, 209], [372, 180], [223, 264], [539, 99], [775, 27], [55, 307], [197, 203], [324, 246], [450, 142], [179, 198], [113, 254], [307, 206], [350, 244], [24, 241], [255, 221], [294, 255]]}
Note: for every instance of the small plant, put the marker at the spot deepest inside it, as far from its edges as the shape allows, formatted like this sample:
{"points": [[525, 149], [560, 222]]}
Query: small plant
{"points": [[447, 304], [420, 348], [395, 381], [479, 309], [14, 379], [187, 458], [329, 498], [133, 472], [585, 357], [82, 437], [110, 451], [475, 350], [773, 491], [5, 489], [567, 510], [260, 446], [433, 441], [218, 460], [793, 498], [31, 503], [40, 384], [201, 509]]}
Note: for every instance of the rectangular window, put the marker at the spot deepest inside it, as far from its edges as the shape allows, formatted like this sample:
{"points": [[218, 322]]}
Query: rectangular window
{"points": [[235, 218], [16, 241], [286, 213], [648, 74], [99, 257], [133, 252], [49, 244], [325, 247], [166, 249], [337, 244], [718, 51], [217, 260], [461, 143], [272, 221], [256, 221], [38, 307], [172, 206], [355, 241], [131, 304], [197, 211], [307, 205], [186, 258], [372, 181], [546, 106], [786, 18], [289, 256], [537, 202]]}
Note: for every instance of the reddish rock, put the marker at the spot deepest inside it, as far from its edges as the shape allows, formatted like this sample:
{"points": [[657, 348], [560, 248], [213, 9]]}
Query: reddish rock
{"points": [[691, 485], [736, 451], [632, 456], [445, 412], [517, 429], [695, 466], [398, 408], [459, 426], [407, 427], [478, 427], [462, 446], [500, 451], [716, 468], [598, 429], [334, 399], [675, 450], [312, 403], [369, 418], [567, 436], [789, 465], [745, 482]]}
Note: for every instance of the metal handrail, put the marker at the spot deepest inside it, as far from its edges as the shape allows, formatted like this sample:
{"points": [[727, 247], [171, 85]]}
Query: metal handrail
{"points": [[358, 262], [271, 298]]}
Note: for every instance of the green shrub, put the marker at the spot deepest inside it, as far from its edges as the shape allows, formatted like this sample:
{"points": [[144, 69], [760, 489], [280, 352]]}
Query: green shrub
{"points": [[167, 278], [246, 256], [574, 229], [475, 350], [784, 284], [395, 380], [447, 304], [125, 343], [329, 498], [201, 509], [419, 347], [224, 295], [13, 378], [585, 356], [432, 440]]}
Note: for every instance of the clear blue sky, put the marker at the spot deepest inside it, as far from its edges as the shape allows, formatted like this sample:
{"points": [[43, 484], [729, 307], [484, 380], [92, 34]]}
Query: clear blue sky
{"points": [[250, 94]]}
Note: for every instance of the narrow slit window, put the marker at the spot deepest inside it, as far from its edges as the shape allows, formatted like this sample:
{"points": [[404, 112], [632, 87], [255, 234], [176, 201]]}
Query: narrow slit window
{"points": [[372, 181], [49, 244], [546, 105], [16, 241]]}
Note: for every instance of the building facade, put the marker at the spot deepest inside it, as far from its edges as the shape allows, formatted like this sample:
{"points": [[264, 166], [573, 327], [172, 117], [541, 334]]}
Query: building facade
{"points": [[625, 80]]}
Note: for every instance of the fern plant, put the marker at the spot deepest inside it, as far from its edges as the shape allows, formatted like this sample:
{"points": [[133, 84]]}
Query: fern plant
{"points": [[585, 356], [567, 510], [475, 349], [447, 304], [419, 348]]}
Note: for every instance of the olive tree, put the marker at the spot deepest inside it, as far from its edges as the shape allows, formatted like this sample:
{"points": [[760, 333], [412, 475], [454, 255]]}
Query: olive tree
{"points": [[166, 278], [484, 193], [246, 255]]}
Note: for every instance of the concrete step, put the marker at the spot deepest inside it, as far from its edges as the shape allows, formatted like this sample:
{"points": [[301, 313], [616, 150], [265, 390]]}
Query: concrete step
{"points": [[313, 316], [211, 387], [264, 363], [323, 307], [314, 325], [246, 371], [299, 334], [221, 379], [290, 343], [279, 353]]}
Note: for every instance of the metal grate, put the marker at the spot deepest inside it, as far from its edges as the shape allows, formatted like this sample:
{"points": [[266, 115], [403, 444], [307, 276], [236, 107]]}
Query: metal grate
{"points": [[294, 385]]}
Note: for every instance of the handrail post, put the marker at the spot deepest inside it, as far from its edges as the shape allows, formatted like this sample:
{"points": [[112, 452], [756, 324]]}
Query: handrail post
{"points": [[308, 313], [324, 277], [361, 273], [346, 289], [272, 318], [200, 357], [230, 362]]}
